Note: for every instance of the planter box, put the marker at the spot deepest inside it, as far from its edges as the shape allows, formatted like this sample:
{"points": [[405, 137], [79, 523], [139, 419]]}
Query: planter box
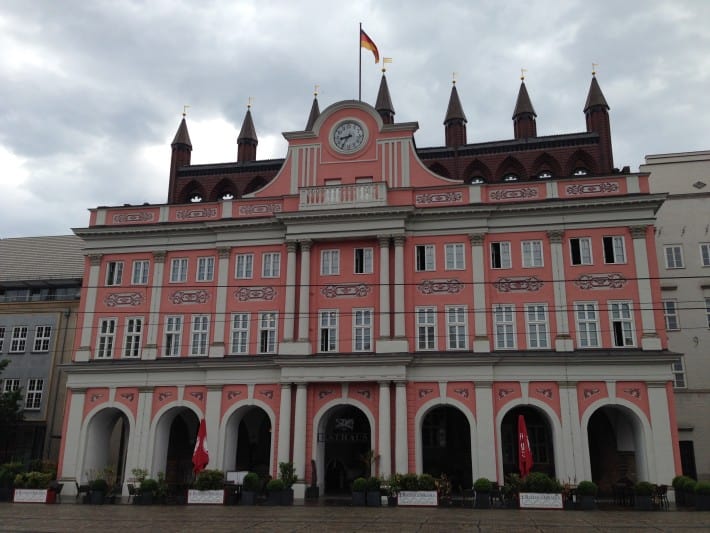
{"points": [[643, 503], [31, 496], [418, 498], [97, 497], [312, 492], [248, 497], [702, 502], [286, 497], [209, 497], [373, 498], [540, 500], [359, 499], [391, 501], [586, 502], [483, 500]]}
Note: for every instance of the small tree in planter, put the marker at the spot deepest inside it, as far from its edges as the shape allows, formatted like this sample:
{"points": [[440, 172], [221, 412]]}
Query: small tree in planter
{"points": [[274, 488], [702, 496], [148, 490], [689, 485], [287, 474], [250, 488], [97, 491], [643, 494], [359, 492], [586, 494], [374, 498], [32, 487], [394, 485], [678, 489], [483, 487], [209, 488]]}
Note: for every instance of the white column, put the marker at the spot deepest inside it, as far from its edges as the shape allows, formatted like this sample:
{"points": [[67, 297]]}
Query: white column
{"points": [[384, 440], [576, 467], [299, 431], [401, 450], [84, 351], [660, 451], [563, 341], [399, 328], [649, 338], [481, 343], [141, 454], [212, 423], [486, 459], [71, 463], [304, 302], [284, 445], [290, 299], [384, 286], [220, 318], [151, 344]]}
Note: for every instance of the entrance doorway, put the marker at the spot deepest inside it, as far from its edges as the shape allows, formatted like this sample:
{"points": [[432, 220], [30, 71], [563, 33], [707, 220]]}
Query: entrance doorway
{"points": [[539, 435], [175, 437], [106, 445], [446, 446]]}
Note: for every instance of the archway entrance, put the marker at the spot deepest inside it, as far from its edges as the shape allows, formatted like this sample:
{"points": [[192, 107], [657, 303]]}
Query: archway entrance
{"points": [[248, 441], [446, 446], [175, 439], [106, 445], [539, 435]]}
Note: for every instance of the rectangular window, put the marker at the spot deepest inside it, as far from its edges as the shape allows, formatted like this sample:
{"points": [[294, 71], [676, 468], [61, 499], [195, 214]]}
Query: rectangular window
{"points": [[678, 374], [133, 334], [114, 272], [614, 251], [33, 396], [705, 254], [173, 336], [330, 262], [271, 265], [178, 270], [42, 336], [622, 324], [10, 385], [581, 250], [205, 268], [18, 341], [587, 325], [107, 334], [362, 330], [537, 327], [199, 335], [328, 331], [245, 266], [504, 326], [363, 260], [456, 338], [500, 255], [267, 332], [674, 256], [2, 337], [670, 314], [426, 328], [424, 257], [140, 272], [454, 256], [532, 253], [240, 333]]}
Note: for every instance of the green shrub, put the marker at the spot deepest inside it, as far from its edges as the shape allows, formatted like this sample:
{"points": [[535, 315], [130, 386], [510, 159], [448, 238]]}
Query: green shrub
{"points": [[394, 484], [587, 488], [209, 480], [149, 486], [483, 485], [360, 484], [644, 488], [287, 474], [373, 483], [427, 482], [251, 482], [410, 482], [8, 473], [33, 480], [540, 482], [688, 484], [139, 474], [702, 487], [275, 485], [99, 485]]}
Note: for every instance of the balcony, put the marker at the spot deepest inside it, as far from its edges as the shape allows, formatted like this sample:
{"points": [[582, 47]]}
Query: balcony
{"points": [[354, 195]]}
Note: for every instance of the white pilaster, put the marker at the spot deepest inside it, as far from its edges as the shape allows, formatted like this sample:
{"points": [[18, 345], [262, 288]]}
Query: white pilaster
{"points": [[71, 464], [213, 409], [481, 343], [563, 341], [304, 301], [290, 299], [399, 329], [384, 441], [660, 452], [143, 457], [575, 467], [151, 344], [649, 338], [401, 451], [220, 319], [485, 433], [284, 446], [84, 351], [299, 437], [384, 287]]}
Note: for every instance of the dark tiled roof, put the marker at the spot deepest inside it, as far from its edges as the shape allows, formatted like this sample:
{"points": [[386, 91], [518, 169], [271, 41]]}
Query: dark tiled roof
{"points": [[41, 258]]}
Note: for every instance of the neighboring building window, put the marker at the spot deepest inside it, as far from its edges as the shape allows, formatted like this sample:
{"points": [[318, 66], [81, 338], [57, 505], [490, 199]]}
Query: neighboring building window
{"points": [[330, 262], [10, 385], [245, 266], [271, 265], [500, 255], [454, 256], [581, 249], [33, 395], [133, 334], [537, 327], [199, 335], [614, 251], [622, 324], [363, 260], [457, 336], [18, 341], [362, 330], [267, 332], [205, 269], [705, 254], [670, 314], [504, 326], [2, 337], [532, 254], [707, 310], [114, 272], [587, 324], [674, 256], [140, 272], [678, 374], [173, 336], [178, 270], [107, 335], [42, 336], [426, 328], [424, 257], [240, 333], [328, 331]]}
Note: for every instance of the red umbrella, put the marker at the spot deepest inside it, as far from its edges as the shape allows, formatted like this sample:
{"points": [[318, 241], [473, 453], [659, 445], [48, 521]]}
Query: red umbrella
{"points": [[201, 457], [525, 460]]}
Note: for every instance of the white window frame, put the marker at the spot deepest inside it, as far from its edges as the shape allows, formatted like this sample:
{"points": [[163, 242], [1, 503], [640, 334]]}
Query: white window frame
{"points": [[268, 323], [205, 268], [362, 330], [139, 274], [621, 312], [532, 254], [106, 338], [328, 331], [244, 268], [199, 335], [178, 270], [617, 255], [504, 327], [172, 336], [678, 369], [537, 326], [18, 340], [424, 257], [33, 394], [240, 334], [425, 318], [363, 260], [132, 337], [455, 256], [10, 385], [705, 254], [270, 264], [501, 255], [114, 273], [670, 315], [330, 262], [43, 336], [586, 315], [582, 247], [456, 327], [673, 254]]}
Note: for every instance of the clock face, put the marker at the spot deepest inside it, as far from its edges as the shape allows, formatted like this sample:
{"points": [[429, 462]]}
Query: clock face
{"points": [[348, 136]]}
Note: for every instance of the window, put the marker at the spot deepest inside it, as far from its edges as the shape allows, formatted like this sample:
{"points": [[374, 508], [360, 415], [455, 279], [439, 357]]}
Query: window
{"points": [[18, 341], [330, 262], [674, 256], [107, 333], [424, 256], [178, 270], [240, 333], [199, 334], [426, 328], [581, 249], [134, 331], [670, 314], [678, 374], [614, 249], [363, 260], [42, 336], [622, 324], [328, 331], [536, 319], [362, 330], [456, 328], [33, 396], [587, 325], [454, 256], [114, 272], [245, 266], [500, 255], [705, 254], [707, 310], [2, 337], [271, 265], [532, 253], [140, 272], [173, 336], [504, 324], [205, 269], [267, 332], [10, 385]]}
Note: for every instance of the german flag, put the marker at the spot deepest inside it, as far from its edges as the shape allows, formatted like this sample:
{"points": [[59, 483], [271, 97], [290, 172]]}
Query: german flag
{"points": [[366, 42]]}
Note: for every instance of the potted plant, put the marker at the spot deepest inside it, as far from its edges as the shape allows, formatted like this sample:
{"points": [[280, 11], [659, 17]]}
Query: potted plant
{"points": [[394, 485], [209, 488], [418, 490], [8, 473], [250, 488], [97, 491], [287, 474], [702, 496], [677, 484], [540, 491], [643, 496], [373, 496], [359, 492], [32, 487], [148, 490], [586, 494], [483, 487], [443, 490], [688, 486], [274, 488], [510, 491]]}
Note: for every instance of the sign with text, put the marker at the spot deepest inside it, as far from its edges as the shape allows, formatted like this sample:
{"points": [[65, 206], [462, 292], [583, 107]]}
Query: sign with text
{"points": [[30, 496], [419, 498], [539, 500], [205, 496]]}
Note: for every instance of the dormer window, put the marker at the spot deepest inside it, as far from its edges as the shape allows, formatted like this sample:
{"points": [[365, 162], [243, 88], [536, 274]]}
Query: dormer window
{"points": [[580, 171], [195, 198], [510, 177], [477, 180], [544, 175], [227, 196]]}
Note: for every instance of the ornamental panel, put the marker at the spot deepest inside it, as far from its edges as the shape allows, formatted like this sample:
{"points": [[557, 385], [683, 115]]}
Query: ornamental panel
{"points": [[518, 283]]}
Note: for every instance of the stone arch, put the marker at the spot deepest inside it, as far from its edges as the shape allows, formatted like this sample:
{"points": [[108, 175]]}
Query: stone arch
{"points": [[475, 169], [229, 427], [545, 162], [107, 435], [192, 190], [581, 159], [510, 165], [254, 185], [440, 170], [223, 188], [159, 437]]}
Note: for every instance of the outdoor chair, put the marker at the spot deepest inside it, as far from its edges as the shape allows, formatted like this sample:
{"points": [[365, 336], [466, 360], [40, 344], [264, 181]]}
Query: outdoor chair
{"points": [[660, 497], [132, 491], [81, 489]]}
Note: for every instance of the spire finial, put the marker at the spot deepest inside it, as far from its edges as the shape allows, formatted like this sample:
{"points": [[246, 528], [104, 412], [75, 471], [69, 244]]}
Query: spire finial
{"points": [[184, 110], [453, 77], [594, 68], [250, 101], [522, 74], [316, 88], [385, 60]]}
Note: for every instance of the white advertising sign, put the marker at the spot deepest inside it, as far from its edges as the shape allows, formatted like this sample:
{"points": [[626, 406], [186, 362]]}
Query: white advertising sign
{"points": [[417, 498], [538, 500], [205, 496], [30, 496]]}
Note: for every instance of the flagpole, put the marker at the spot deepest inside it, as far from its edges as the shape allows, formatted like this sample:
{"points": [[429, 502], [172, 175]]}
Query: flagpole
{"points": [[359, 65]]}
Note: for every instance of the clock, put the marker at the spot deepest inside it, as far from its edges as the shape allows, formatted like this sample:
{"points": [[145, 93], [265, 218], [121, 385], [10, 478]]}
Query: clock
{"points": [[348, 136]]}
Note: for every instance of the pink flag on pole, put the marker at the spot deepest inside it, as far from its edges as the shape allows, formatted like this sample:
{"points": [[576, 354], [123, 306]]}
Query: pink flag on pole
{"points": [[201, 457], [525, 460]]}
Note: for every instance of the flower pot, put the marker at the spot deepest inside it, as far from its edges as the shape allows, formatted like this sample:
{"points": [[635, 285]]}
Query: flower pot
{"points": [[248, 497], [391, 501], [97, 497], [373, 498], [643, 503], [483, 500], [586, 502], [702, 502], [286, 497], [359, 498], [273, 497]]}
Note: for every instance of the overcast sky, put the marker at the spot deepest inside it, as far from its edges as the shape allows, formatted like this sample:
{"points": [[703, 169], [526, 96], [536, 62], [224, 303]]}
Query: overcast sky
{"points": [[91, 92]]}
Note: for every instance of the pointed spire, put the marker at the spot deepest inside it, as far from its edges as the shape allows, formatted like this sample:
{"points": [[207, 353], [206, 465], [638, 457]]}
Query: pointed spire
{"points": [[524, 114], [455, 120], [179, 157], [247, 141], [523, 104], [455, 110], [182, 136], [384, 102], [248, 133], [315, 111], [596, 112], [595, 97]]}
